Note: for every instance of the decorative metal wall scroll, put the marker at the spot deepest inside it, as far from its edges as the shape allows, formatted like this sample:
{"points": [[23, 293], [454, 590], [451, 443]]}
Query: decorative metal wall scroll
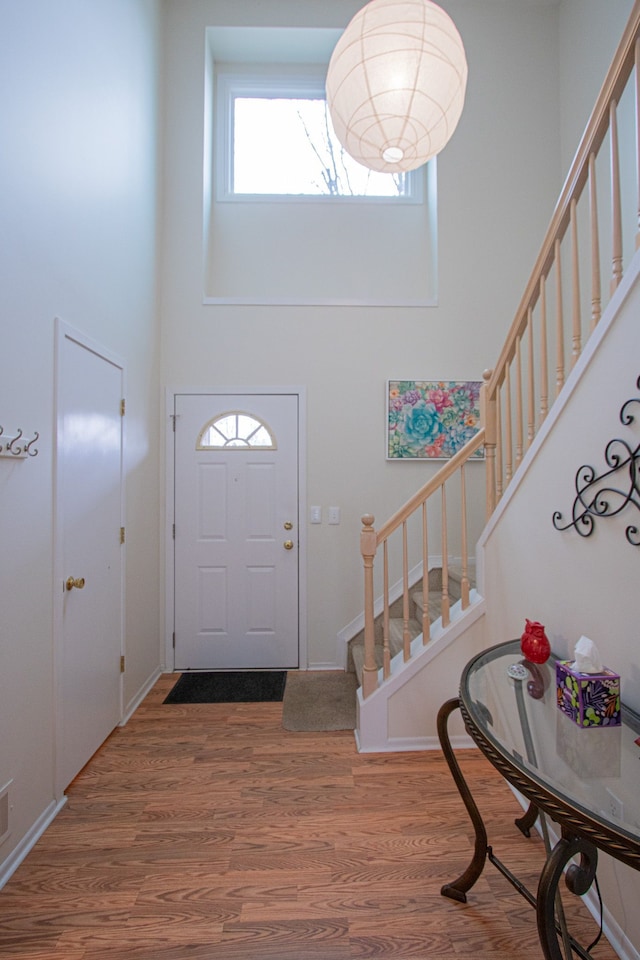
{"points": [[16, 446], [595, 497]]}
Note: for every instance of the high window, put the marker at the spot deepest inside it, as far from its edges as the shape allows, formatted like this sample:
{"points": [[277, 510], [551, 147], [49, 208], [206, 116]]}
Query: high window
{"points": [[276, 139], [287, 219]]}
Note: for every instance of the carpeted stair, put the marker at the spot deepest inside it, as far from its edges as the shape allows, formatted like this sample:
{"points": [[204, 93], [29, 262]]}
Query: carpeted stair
{"points": [[434, 600]]}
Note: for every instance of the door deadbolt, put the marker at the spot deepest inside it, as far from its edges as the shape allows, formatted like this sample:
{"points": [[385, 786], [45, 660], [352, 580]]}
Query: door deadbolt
{"points": [[288, 525], [73, 582]]}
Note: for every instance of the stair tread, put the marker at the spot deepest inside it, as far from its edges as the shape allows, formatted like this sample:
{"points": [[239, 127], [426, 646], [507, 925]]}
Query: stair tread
{"points": [[357, 656], [396, 632], [434, 600]]}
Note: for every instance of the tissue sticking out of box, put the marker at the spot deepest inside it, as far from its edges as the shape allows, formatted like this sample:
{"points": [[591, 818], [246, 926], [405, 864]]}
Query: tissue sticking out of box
{"points": [[587, 657]]}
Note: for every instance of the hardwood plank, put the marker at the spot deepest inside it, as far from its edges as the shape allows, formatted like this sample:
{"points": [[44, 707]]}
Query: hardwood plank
{"points": [[207, 831]]}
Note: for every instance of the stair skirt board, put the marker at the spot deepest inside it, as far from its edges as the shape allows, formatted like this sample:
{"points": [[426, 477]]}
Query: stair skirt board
{"points": [[354, 646], [372, 730]]}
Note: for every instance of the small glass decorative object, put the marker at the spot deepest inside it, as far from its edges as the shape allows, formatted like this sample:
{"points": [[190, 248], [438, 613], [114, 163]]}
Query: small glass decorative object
{"points": [[534, 643]]}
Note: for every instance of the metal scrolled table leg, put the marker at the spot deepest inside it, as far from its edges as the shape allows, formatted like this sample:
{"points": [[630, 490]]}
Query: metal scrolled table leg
{"points": [[457, 890], [578, 880], [526, 822]]}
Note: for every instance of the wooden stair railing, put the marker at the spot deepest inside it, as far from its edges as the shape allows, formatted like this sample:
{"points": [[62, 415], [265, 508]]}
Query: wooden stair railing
{"points": [[516, 396], [550, 313], [371, 539]]}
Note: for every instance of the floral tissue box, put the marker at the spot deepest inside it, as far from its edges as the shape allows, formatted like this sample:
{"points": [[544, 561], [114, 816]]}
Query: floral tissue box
{"points": [[589, 699]]}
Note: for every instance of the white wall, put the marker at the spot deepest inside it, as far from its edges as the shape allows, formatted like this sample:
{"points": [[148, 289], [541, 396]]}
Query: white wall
{"points": [[78, 114], [578, 585], [498, 179], [78, 206], [589, 32]]}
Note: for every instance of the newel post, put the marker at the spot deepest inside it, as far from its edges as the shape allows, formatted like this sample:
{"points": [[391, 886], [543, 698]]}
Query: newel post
{"points": [[368, 545], [488, 414]]}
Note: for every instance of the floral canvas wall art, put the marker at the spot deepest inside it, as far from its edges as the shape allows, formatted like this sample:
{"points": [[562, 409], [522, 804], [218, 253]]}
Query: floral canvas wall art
{"points": [[431, 419]]}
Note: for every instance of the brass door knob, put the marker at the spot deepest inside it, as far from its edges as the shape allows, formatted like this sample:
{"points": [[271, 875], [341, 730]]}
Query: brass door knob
{"points": [[288, 544], [73, 582]]}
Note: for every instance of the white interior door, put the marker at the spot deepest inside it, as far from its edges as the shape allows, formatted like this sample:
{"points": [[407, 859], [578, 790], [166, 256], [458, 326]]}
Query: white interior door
{"points": [[89, 517], [236, 531]]}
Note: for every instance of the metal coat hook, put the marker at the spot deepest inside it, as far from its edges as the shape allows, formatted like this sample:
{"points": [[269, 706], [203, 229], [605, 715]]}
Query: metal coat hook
{"points": [[16, 447]]}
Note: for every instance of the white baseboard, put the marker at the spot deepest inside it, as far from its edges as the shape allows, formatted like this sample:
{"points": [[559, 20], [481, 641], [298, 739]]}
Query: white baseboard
{"points": [[15, 858], [402, 744], [135, 701], [612, 929]]}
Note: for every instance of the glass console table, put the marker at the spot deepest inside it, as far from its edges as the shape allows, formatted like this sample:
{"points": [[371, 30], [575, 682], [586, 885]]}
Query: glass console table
{"points": [[584, 779]]}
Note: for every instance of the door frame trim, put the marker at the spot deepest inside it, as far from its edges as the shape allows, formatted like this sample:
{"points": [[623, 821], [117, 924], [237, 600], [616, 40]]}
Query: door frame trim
{"points": [[63, 331], [169, 484]]}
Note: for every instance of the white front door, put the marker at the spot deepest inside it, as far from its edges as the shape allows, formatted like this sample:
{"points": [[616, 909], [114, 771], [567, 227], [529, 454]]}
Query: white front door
{"points": [[236, 531], [89, 567]]}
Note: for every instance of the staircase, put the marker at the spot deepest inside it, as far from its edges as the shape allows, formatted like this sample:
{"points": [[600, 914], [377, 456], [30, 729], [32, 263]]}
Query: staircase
{"points": [[561, 308], [355, 660]]}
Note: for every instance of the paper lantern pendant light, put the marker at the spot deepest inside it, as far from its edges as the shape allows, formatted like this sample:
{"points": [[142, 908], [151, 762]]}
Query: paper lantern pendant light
{"points": [[396, 83]]}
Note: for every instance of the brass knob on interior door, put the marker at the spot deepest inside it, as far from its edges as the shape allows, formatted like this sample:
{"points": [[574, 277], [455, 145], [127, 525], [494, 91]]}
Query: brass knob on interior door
{"points": [[288, 544], [73, 582]]}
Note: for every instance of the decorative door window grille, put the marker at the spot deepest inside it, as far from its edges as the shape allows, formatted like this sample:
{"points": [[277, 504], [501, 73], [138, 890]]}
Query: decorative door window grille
{"points": [[236, 430]]}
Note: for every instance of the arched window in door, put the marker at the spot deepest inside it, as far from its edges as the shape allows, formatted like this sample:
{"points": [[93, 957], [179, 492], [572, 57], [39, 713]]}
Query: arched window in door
{"points": [[236, 430]]}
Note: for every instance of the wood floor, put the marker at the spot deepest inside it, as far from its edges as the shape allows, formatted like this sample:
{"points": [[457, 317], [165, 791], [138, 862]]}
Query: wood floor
{"points": [[207, 832]]}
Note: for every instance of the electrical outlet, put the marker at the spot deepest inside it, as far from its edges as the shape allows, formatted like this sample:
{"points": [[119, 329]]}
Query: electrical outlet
{"points": [[614, 806]]}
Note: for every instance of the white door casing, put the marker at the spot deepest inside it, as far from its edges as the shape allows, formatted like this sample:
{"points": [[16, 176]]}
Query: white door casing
{"points": [[88, 521], [236, 548]]}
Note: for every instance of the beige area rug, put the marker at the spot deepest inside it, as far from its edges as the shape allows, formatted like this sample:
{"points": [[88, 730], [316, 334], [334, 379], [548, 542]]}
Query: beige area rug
{"points": [[319, 700]]}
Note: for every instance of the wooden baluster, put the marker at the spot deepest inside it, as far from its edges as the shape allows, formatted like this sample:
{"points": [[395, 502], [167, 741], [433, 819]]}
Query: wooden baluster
{"points": [[531, 395], [444, 603], [596, 295], [576, 316], [519, 425], [406, 635], [559, 320], [464, 585], [386, 651], [637, 70], [488, 418], [499, 446], [616, 211], [426, 620], [508, 429], [368, 544], [544, 362]]}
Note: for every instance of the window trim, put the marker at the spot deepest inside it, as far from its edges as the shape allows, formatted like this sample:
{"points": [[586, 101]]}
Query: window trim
{"points": [[273, 81]]}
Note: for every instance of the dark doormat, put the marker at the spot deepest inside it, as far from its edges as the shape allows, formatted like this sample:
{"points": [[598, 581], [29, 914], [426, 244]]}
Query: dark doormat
{"points": [[247, 686]]}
